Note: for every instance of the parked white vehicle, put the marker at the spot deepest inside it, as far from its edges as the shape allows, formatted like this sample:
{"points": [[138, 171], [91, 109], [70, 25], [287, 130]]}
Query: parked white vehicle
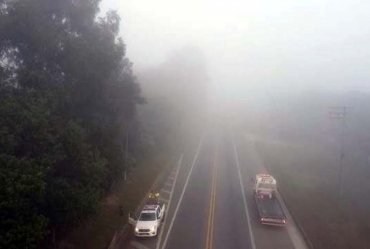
{"points": [[149, 220]]}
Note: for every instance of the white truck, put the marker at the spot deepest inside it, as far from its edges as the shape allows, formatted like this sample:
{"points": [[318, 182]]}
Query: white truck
{"points": [[149, 220], [265, 184], [268, 205]]}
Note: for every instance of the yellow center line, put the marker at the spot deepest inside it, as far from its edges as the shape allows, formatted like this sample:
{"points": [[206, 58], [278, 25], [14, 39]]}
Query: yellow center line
{"points": [[209, 236]]}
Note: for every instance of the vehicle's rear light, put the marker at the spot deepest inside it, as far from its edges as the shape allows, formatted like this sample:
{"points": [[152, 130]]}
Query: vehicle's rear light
{"points": [[262, 219], [284, 221]]}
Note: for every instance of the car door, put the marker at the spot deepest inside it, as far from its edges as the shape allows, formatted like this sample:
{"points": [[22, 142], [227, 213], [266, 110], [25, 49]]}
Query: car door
{"points": [[132, 218], [159, 217]]}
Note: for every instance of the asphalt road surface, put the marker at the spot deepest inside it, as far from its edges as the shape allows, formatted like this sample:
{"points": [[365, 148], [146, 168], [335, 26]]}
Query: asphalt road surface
{"points": [[210, 198]]}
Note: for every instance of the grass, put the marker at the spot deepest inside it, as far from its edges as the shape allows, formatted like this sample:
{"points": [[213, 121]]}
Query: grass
{"points": [[97, 232], [308, 178]]}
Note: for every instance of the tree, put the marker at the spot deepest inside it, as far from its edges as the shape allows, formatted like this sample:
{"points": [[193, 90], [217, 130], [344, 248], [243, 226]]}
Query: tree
{"points": [[177, 96], [66, 93], [23, 188]]}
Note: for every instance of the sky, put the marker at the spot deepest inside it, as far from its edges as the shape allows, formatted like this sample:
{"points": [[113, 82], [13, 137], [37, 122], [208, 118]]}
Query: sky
{"points": [[255, 47]]}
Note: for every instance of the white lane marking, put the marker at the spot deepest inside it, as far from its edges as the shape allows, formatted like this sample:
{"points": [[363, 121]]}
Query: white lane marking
{"points": [[163, 199], [171, 178], [181, 196], [244, 200], [138, 245], [165, 191], [295, 235], [168, 184], [169, 203]]}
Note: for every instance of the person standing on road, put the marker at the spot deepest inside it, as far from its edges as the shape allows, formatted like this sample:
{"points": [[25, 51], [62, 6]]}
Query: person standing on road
{"points": [[153, 197]]}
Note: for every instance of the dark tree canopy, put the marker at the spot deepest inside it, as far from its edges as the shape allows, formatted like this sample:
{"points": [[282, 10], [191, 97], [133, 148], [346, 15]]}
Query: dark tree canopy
{"points": [[66, 92]]}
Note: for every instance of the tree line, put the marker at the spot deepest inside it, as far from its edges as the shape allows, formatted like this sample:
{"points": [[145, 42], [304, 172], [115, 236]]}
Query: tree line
{"points": [[67, 96]]}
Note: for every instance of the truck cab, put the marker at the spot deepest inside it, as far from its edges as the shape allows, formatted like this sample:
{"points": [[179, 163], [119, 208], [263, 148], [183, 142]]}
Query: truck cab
{"points": [[148, 221], [265, 185]]}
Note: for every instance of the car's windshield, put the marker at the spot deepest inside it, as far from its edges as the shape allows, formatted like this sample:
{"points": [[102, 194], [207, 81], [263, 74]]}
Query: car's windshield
{"points": [[147, 217], [267, 186]]}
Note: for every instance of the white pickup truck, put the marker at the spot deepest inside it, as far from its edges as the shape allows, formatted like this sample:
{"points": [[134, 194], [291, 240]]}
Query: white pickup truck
{"points": [[149, 220]]}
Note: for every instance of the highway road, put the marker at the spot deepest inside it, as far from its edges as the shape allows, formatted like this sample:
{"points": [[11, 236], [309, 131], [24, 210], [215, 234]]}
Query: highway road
{"points": [[210, 198]]}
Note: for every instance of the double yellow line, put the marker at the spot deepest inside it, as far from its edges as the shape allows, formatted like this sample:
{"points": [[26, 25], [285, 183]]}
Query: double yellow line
{"points": [[211, 213]]}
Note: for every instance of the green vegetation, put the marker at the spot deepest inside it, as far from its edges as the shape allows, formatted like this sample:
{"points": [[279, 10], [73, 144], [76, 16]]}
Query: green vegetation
{"points": [[67, 93], [68, 109], [97, 232]]}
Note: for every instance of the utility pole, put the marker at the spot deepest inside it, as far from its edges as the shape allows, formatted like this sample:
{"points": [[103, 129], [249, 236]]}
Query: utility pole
{"points": [[340, 113]]}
